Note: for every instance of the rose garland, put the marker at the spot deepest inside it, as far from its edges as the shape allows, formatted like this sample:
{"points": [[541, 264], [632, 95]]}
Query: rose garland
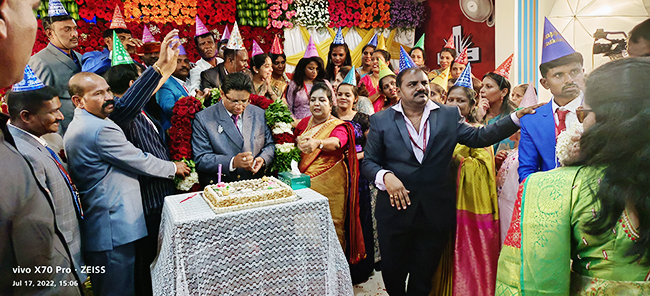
{"points": [[312, 13], [180, 139], [406, 14], [344, 13], [374, 14], [280, 13]]}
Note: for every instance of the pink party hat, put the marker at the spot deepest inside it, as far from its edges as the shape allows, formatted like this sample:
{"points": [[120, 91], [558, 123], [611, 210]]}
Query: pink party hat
{"points": [[450, 42], [118, 19], [504, 68], [530, 97], [276, 48], [462, 57], [256, 49], [311, 50], [226, 34], [200, 27], [147, 36]]}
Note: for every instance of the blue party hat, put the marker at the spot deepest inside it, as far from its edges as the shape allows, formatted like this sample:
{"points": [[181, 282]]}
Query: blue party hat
{"points": [[465, 78], [373, 41], [56, 9], [554, 46], [405, 60], [338, 39], [181, 49], [29, 82], [351, 78]]}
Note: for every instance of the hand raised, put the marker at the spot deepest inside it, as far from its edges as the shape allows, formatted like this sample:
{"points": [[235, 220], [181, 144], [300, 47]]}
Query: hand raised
{"points": [[168, 55]]}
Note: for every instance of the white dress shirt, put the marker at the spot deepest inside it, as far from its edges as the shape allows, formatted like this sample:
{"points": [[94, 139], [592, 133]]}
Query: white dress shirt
{"points": [[195, 74], [571, 117]]}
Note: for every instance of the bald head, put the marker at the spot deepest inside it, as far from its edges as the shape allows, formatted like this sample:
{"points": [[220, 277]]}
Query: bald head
{"points": [[90, 92]]}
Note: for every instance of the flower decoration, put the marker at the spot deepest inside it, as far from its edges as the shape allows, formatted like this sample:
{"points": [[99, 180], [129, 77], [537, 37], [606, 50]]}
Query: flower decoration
{"points": [[280, 13], [344, 13], [191, 182], [406, 14], [170, 11], [374, 14], [312, 13], [565, 148], [180, 138]]}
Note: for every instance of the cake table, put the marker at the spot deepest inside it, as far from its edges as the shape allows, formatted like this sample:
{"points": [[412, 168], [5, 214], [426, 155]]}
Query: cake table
{"points": [[282, 249]]}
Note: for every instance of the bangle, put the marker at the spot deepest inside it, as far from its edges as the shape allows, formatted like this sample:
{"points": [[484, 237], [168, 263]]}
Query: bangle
{"points": [[157, 68]]}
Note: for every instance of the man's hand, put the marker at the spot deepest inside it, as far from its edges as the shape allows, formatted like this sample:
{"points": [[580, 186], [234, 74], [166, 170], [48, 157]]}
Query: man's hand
{"points": [[257, 164], [168, 55], [202, 93], [528, 110], [182, 170], [396, 191], [243, 160]]}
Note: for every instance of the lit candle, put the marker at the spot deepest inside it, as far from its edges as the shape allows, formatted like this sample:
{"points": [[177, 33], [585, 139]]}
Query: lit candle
{"points": [[219, 177]]}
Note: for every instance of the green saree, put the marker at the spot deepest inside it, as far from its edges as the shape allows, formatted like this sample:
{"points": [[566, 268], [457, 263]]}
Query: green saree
{"points": [[546, 251]]}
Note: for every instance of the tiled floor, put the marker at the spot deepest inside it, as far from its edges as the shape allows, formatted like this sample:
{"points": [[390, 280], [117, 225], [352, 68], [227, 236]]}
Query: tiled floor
{"points": [[373, 287]]}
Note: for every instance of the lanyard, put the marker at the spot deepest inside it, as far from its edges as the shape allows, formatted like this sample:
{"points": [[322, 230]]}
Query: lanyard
{"points": [[424, 148]]}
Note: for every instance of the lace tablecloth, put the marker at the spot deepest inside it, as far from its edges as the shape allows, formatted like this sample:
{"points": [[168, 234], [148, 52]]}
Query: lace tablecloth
{"points": [[284, 249]]}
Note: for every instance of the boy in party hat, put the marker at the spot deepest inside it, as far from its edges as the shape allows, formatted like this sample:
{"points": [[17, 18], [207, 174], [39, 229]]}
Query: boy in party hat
{"points": [[563, 75], [205, 43], [235, 59], [56, 63]]}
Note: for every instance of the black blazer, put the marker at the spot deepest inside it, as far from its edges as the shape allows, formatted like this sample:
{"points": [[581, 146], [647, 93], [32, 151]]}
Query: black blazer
{"points": [[431, 185], [213, 77]]}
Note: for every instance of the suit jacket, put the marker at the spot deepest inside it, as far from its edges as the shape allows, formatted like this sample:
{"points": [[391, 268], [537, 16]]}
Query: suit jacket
{"points": [[97, 62], [145, 136], [213, 77], [29, 235], [216, 140], [537, 143], [432, 187], [55, 68], [166, 97], [105, 167], [195, 75], [49, 176]]}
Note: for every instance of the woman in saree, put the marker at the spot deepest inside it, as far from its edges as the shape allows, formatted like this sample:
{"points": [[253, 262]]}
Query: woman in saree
{"points": [[469, 264], [585, 229], [323, 140]]}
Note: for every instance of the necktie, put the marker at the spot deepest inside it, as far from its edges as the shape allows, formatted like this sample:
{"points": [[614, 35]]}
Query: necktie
{"points": [[73, 189], [561, 118], [234, 119]]}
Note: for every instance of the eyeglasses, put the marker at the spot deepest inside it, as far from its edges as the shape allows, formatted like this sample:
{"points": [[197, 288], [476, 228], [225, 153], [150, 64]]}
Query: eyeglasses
{"points": [[582, 113], [237, 102]]}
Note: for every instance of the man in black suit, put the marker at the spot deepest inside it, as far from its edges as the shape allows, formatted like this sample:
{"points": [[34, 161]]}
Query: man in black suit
{"points": [[416, 204], [234, 61]]}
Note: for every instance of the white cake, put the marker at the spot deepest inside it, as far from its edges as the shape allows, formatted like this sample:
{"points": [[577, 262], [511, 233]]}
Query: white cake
{"points": [[233, 196]]}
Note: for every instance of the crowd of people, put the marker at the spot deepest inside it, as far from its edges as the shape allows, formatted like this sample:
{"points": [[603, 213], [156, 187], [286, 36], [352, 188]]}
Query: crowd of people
{"points": [[448, 184]]}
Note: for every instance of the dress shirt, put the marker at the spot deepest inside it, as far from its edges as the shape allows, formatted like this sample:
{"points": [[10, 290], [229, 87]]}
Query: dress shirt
{"points": [[39, 139], [571, 117], [182, 83], [240, 126], [195, 74]]}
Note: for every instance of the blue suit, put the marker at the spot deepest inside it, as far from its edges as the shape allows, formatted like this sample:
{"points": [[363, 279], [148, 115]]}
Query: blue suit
{"points": [[537, 143], [97, 62], [166, 97]]}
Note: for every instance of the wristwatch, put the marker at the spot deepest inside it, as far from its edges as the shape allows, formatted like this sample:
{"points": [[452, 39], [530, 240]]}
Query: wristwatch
{"points": [[321, 145]]}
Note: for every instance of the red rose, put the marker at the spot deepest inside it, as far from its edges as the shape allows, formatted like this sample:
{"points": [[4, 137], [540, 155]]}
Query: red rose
{"points": [[283, 138], [185, 152], [180, 110]]}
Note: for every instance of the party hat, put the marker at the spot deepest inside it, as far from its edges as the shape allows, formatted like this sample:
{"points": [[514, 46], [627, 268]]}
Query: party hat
{"points": [[462, 57], [381, 43], [338, 39], [420, 43], [118, 19], [147, 36], [119, 55], [29, 82], [405, 60], [200, 27], [450, 42], [442, 79], [235, 42], [311, 50], [181, 49], [56, 9], [351, 78], [384, 70], [373, 41], [256, 49], [504, 68], [226, 34], [276, 48], [554, 46], [465, 78], [530, 97]]}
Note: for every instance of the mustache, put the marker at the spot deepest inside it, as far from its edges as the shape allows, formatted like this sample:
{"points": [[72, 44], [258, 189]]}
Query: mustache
{"points": [[570, 85], [420, 92], [108, 103]]}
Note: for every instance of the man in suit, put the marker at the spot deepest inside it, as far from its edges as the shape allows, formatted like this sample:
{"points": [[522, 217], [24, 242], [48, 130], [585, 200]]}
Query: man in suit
{"points": [[56, 63], [174, 88], [234, 61], [232, 134], [106, 166], [35, 113], [28, 232], [563, 75], [408, 154]]}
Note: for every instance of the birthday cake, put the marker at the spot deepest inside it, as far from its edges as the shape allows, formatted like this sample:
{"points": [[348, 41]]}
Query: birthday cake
{"points": [[234, 196]]}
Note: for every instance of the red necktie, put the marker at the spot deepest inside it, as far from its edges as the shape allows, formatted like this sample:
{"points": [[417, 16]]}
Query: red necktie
{"points": [[561, 118]]}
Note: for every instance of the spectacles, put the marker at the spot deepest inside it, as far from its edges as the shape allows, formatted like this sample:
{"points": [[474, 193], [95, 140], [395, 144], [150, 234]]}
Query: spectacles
{"points": [[582, 113], [237, 102]]}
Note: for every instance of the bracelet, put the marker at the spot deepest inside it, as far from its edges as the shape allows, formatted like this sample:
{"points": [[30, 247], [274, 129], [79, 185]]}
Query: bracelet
{"points": [[157, 68]]}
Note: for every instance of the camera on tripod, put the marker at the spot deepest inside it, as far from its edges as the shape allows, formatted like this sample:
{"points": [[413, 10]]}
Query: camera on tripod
{"points": [[610, 47]]}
